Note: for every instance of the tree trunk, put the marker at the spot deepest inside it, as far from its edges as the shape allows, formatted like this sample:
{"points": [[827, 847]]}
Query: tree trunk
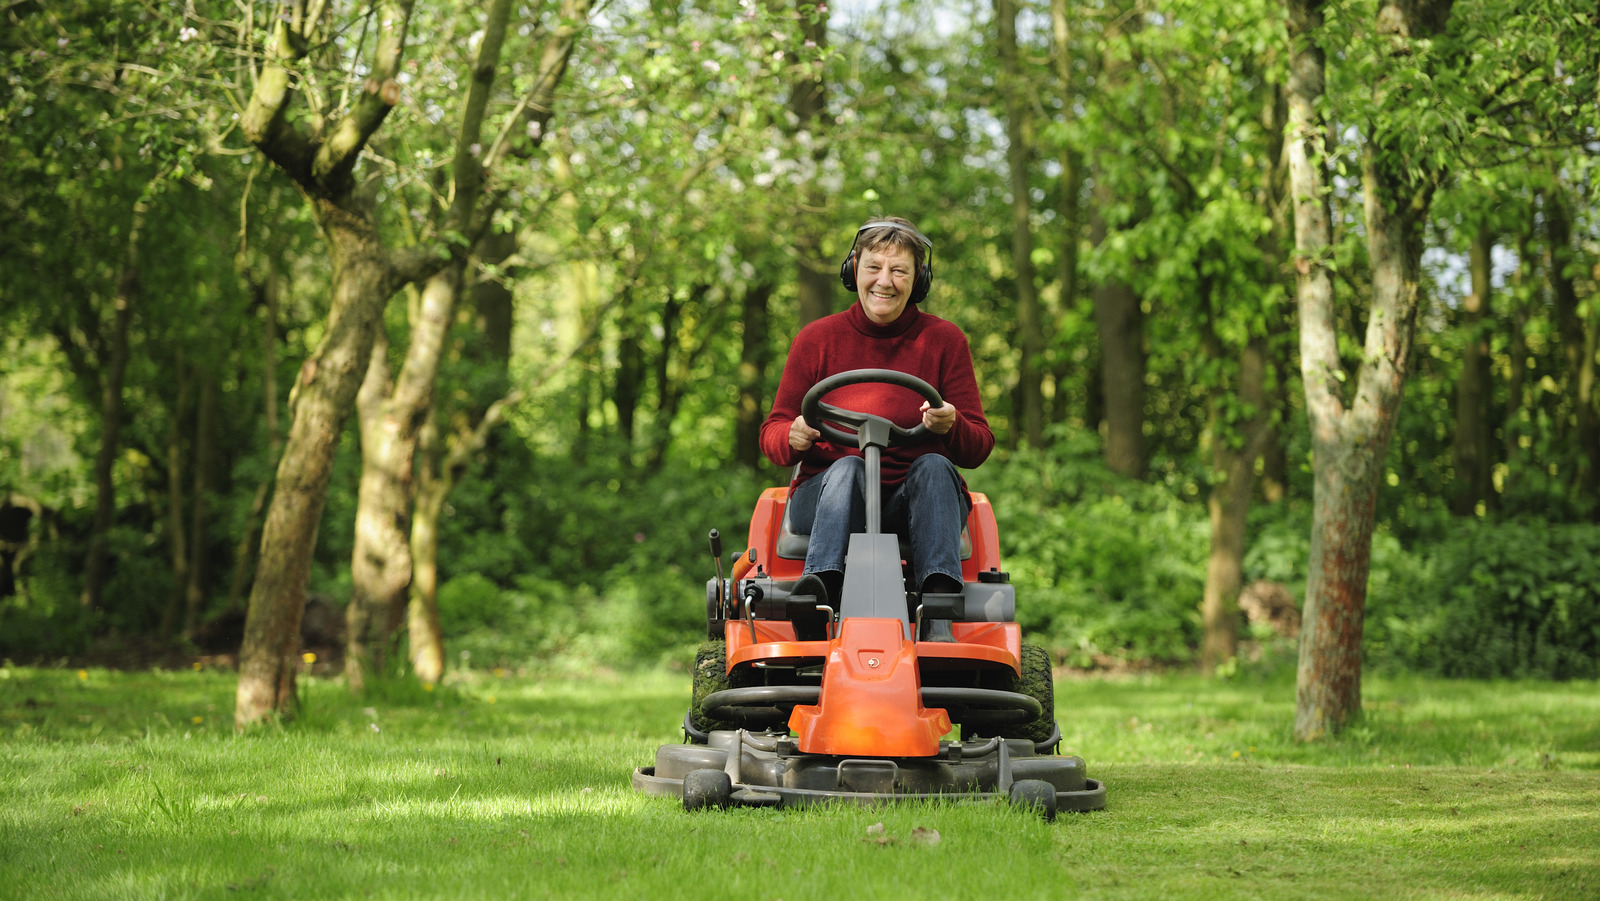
{"points": [[755, 355], [1349, 443], [492, 300], [320, 155], [205, 476], [1577, 344], [1029, 415], [674, 365], [243, 558], [438, 477], [1329, 681], [1235, 448], [1517, 374], [380, 560], [628, 388], [105, 507], [815, 274], [422, 611], [363, 280], [1474, 435], [392, 416], [1069, 206], [177, 535], [1274, 201], [1120, 323]]}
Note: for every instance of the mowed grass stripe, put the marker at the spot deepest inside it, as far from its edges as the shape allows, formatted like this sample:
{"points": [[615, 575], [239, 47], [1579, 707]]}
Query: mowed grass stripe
{"points": [[518, 787]]}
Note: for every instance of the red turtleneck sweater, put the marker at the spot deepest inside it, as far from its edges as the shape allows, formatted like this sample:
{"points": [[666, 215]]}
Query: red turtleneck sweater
{"points": [[917, 343]]}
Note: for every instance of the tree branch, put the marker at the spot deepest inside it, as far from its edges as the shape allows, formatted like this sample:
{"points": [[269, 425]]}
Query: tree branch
{"points": [[340, 151]]}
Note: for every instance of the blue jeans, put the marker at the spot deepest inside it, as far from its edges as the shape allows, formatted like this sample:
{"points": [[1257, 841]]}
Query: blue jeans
{"points": [[929, 508]]}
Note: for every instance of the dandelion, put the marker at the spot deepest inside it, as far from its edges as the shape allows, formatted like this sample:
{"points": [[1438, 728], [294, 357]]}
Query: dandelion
{"points": [[309, 657], [197, 720], [491, 699], [197, 665], [83, 674], [1235, 755], [427, 686], [499, 672]]}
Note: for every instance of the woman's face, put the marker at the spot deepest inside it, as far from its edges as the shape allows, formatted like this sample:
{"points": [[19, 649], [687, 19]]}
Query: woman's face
{"points": [[883, 282]]}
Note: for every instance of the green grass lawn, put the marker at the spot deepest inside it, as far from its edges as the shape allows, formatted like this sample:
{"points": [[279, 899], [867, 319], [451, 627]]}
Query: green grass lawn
{"points": [[133, 785]]}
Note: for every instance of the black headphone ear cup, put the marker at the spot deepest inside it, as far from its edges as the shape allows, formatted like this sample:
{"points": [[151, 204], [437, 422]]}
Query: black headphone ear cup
{"points": [[847, 271], [924, 283]]}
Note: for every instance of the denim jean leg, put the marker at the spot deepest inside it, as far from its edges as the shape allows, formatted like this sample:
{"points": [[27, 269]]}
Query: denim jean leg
{"points": [[930, 507], [830, 507]]}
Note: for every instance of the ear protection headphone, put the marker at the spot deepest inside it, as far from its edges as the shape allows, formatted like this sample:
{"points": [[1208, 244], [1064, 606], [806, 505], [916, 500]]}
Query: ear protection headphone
{"points": [[924, 279]]}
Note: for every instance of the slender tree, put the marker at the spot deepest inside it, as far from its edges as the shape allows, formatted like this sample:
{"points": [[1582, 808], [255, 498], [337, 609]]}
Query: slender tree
{"points": [[1030, 321], [1351, 426], [319, 148]]}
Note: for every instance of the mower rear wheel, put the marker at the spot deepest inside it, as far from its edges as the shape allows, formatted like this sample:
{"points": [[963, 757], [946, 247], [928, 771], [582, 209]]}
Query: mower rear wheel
{"points": [[710, 677], [712, 788], [1038, 682]]}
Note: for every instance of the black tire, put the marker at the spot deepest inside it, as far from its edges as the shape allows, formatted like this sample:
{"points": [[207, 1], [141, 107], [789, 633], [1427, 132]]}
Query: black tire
{"points": [[712, 788], [1037, 682], [1035, 793], [710, 677]]}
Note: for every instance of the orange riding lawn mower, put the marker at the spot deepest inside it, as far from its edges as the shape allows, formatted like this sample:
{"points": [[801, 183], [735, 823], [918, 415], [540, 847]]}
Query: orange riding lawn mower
{"points": [[800, 702]]}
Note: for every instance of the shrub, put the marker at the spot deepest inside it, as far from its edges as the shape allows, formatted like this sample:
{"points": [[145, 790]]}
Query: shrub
{"points": [[1104, 567], [1514, 599]]}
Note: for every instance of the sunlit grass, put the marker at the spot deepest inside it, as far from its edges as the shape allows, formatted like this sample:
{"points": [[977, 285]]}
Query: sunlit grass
{"points": [[517, 786]]}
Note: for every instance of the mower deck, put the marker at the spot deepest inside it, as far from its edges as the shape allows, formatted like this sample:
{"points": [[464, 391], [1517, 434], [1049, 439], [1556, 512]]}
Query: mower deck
{"points": [[757, 769]]}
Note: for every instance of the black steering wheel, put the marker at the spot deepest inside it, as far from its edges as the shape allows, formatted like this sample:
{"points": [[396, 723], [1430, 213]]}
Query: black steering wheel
{"points": [[823, 416]]}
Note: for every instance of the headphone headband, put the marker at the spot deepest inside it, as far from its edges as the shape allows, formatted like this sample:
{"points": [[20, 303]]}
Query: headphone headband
{"points": [[900, 226]]}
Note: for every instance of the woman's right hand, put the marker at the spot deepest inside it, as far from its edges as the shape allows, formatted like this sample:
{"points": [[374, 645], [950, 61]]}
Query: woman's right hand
{"points": [[801, 435]]}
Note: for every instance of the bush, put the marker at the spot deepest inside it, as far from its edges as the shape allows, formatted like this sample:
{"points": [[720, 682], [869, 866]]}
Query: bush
{"points": [[1104, 567], [1515, 599], [612, 567]]}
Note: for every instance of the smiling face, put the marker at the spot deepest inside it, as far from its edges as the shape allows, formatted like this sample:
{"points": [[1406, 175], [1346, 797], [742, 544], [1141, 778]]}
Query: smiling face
{"points": [[884, 279]]}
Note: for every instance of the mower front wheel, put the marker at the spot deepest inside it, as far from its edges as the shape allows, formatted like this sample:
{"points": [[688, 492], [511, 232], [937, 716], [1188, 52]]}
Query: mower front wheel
{"points": [[711, 788], [1035, 793]]}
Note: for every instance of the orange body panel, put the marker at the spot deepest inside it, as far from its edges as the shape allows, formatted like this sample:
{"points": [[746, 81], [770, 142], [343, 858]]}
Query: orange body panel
{"points": [[871, 703], [774, 642], [767, 520]]}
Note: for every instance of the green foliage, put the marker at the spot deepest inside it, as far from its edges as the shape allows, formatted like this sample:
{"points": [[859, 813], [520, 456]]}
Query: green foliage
{"points": [[1106, 569], [604, 576], [1518, 599], [45, 621]]}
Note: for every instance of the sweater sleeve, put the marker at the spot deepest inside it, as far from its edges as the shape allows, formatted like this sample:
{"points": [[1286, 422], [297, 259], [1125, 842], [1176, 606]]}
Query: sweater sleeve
{"points": [[798, 377], [970, 440]]}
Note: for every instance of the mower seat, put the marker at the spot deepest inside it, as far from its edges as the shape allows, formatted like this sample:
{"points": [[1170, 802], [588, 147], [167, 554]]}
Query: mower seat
{"points": [[791, 545]]}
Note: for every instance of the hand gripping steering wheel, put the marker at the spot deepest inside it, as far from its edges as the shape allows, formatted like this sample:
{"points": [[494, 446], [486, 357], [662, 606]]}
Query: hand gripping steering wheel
{"points": [[826, 418]]}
